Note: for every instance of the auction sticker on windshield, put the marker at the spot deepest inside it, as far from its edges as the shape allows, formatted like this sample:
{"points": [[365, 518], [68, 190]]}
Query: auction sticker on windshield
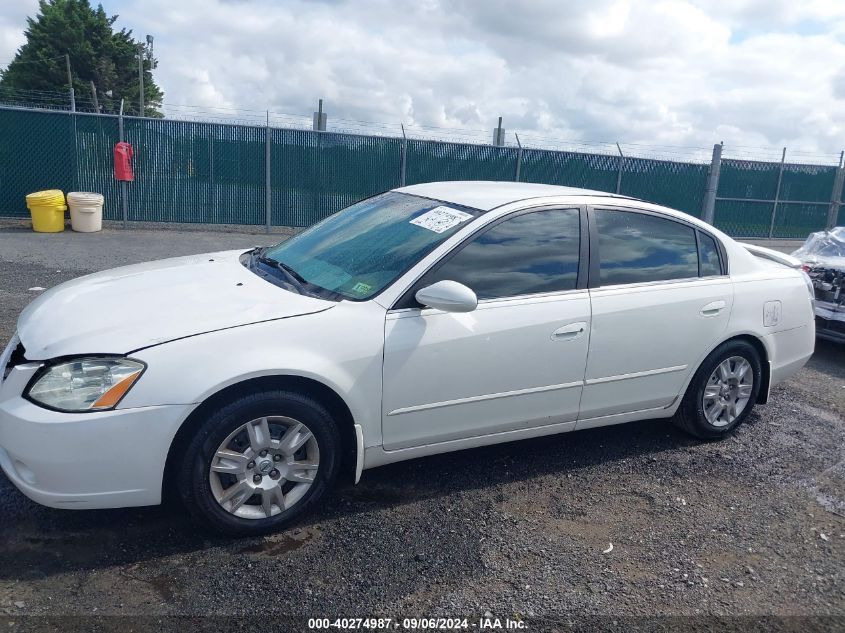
{"points": [[441, 219]]}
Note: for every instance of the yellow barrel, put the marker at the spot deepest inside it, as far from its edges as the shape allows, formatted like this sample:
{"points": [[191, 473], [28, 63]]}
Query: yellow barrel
{"points": [[48, 210]]}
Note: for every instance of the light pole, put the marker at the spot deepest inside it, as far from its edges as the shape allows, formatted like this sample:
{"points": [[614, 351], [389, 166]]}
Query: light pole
{"points": [[141, 79], [143, 49]]}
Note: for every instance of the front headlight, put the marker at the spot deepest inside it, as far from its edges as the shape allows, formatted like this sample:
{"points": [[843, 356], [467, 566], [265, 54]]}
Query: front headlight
{"points": [[85, 384]]}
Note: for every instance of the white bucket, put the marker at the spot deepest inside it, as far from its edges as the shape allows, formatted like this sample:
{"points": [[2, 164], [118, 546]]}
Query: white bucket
{"points": [[86, 211]]}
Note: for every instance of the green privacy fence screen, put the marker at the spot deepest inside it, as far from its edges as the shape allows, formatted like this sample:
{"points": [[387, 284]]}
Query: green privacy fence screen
{"points": [[218, 173], [429, 161], [760, 199], [315, 174]]}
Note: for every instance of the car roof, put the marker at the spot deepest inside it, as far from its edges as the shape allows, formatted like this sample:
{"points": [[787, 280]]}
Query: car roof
{"points": [[487, 195]]}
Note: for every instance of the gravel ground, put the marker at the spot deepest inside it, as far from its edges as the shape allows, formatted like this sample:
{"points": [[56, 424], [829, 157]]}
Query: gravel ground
{"points": [[753, 525]]}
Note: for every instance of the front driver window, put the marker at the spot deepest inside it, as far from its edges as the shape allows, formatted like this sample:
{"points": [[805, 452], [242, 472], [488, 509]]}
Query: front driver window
{"points": [[531, 253]]}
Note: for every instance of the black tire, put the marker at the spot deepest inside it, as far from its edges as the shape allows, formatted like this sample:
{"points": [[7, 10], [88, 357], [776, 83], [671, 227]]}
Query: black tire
{"points": [[690, 416], [193, 479]]}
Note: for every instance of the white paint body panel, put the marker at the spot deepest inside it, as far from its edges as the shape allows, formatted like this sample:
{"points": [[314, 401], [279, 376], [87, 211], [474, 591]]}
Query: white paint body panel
{"points": [[646, 340], [499, 368], [416, 382], [128, 308]]}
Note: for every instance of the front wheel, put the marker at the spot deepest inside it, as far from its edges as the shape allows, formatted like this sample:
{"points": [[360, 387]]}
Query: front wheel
{"points": [[722, 392], [259, 462]]}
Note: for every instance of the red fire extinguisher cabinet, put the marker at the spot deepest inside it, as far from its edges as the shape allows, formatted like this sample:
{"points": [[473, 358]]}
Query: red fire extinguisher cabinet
{"points": [[123, 161]]}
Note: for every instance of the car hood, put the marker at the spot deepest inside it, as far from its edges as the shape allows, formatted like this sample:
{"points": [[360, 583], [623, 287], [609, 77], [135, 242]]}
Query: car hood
{"points": [[124, 309]]}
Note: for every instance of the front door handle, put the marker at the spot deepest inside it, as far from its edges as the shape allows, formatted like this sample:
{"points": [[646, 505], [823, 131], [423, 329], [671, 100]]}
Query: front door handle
{"points": [[712, 309], [570, 331]]}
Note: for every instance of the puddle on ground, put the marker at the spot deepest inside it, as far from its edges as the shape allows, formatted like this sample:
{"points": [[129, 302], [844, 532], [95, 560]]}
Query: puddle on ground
{"points": [[164, 586], [382, 495], [279, 544]]}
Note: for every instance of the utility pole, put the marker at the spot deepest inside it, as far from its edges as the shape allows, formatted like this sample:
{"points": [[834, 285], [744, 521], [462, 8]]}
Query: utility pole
{"points": [[141, 78], [499, 134], [319, 118], [70, 84]]}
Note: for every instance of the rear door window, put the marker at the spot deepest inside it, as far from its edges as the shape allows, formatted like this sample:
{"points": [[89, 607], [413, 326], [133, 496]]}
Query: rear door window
{"points": [[638, 247]]}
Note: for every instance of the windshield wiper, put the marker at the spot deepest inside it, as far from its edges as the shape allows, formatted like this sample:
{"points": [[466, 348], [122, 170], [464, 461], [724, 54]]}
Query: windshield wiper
{"points": [[291, 277], [295, 276]]}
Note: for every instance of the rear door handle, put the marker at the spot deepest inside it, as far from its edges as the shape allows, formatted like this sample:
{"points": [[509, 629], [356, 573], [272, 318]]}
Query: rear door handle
{"points": [[570, 331], [714, 308]]}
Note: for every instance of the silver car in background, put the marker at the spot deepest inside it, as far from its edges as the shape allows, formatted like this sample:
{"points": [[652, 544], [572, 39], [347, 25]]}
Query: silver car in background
{"points": [[823, 257]]}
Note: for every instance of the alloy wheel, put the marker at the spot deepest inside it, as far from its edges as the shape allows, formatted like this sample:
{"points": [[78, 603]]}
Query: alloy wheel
{"points": [[728, 391], [264, 467]]}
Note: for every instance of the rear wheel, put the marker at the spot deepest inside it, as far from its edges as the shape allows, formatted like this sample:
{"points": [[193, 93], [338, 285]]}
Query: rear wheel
{"points": [[259, 462], [722, 392]]}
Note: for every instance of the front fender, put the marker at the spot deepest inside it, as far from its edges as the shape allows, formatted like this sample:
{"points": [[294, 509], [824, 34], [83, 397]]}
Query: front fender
{"points": [[341, 348]]}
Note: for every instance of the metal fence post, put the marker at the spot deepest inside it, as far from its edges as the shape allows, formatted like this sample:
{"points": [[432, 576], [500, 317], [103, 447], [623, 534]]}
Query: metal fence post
{"points": [[403, 156], [836, 194], [268, 192], [77, 182], [518, 157], [212, 188], [619, 170], [777, 194], [70, 84], [708, 208], [124, 186]]}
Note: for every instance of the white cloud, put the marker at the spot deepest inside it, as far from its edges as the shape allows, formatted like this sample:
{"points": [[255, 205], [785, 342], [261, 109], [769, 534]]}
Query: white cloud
{"points": [[670, 72], [12, 25], [766, 14]]}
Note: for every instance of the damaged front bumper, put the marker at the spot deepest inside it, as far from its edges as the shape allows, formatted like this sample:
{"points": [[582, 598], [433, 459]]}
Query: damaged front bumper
{"points": [[830, 321]]}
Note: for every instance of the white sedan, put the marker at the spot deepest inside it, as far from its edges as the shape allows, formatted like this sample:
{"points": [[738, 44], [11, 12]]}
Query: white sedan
{"points": [[427, 319]]}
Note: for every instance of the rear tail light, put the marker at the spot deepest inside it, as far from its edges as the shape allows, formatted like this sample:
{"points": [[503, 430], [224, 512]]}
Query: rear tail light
{"points": [[810, 288]]}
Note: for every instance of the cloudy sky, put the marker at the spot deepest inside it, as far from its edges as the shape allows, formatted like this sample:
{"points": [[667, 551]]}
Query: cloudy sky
{"points": [[756, 73]]}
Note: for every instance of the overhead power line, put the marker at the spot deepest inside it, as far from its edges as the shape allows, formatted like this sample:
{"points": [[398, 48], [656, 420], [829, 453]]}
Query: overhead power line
{"points": [[35, 61]]}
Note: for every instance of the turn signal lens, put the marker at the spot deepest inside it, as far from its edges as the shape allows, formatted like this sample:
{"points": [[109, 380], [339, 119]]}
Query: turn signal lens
{"points": [[113, 395]]}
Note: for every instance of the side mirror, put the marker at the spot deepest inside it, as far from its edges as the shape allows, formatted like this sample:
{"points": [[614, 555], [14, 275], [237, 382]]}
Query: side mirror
{"points": [[449, 296]]}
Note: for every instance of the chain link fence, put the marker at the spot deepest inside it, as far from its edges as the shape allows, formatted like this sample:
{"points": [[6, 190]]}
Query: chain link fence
{"points": [[223, 173], [775, 200]]}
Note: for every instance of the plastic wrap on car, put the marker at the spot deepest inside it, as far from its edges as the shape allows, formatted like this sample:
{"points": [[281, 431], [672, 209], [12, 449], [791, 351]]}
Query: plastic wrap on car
{"points": [[823, 257], [824, 249]]}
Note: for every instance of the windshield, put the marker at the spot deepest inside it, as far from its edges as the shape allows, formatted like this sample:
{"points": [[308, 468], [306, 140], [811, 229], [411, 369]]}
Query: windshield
{"points": [[359, 251]]}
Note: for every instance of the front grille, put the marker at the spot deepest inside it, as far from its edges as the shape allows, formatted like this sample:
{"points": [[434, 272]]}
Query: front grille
{"points": [[830, 324], [826, 295], [17, 357]]}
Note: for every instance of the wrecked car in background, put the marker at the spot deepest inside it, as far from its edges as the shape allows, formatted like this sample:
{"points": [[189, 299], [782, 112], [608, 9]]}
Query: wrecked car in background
{"points": [[823, 257]]}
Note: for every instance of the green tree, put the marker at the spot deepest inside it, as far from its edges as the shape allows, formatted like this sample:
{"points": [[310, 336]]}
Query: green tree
{"points": [[97, 53]]}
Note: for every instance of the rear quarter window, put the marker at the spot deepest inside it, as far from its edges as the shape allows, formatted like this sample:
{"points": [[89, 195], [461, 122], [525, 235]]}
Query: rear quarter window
{"points": [[708, 256]]}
